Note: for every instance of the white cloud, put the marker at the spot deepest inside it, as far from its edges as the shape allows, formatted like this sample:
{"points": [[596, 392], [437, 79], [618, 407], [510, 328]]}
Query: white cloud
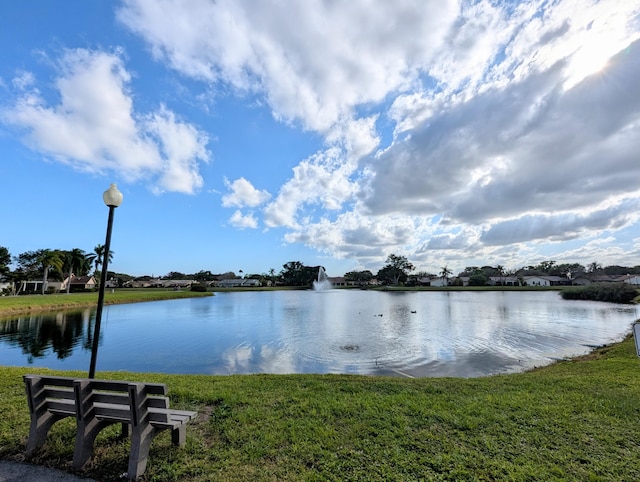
{"points": [[561, 226], [324, 179], [243, 194], [368, 239], [315, 61], [530, 146], [472, 42], [502, 128], [95, 128], [605, 250], [23, 80], [239, 220], [182, 147]]}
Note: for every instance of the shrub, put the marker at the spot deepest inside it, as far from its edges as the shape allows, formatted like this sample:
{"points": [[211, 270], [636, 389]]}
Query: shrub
{"points": [[198, 287], [478, 279], [612, 292]]}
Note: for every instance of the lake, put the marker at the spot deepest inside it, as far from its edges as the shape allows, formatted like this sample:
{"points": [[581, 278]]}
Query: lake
{"points": [[418, 334]]}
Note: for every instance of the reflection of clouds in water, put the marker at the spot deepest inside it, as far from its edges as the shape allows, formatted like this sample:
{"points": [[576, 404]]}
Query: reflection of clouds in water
{"points": [[237, 359], [446, 354], [276, 361], [258, 359], [471, 364]]}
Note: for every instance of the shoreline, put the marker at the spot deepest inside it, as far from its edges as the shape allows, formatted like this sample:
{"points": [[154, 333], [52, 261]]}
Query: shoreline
{"points": [[33, 304]]}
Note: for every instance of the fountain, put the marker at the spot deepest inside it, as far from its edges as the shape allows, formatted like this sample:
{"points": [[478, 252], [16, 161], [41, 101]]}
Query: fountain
{"points": [[323, 283]]}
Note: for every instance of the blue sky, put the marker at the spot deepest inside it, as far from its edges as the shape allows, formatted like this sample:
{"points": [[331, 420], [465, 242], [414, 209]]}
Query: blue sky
{"points": [[244, 134]]}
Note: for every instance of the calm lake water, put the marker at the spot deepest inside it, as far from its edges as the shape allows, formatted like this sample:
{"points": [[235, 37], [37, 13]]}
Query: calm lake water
{"points": [[422, 334]]}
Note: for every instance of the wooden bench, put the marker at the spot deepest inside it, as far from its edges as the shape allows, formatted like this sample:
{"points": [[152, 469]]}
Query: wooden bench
{"points": [[142, 409]]}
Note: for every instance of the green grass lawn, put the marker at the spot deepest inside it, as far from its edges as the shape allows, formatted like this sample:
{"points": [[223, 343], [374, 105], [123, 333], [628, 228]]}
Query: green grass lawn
{"points": [[573, 420], [12, 305]]}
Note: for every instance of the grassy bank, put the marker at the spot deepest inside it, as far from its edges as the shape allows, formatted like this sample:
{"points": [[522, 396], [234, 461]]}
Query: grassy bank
{"points": [[574, 420], [609, 292], [17, 305]]}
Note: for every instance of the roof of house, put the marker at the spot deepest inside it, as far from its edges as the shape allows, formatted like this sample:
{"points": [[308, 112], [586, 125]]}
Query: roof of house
{"points": [[82, 280], [605, 277]]}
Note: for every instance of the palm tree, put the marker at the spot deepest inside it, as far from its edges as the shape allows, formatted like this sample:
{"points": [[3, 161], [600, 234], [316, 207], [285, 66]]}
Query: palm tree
{"points": [[49, 258], [90, 259], [99, 256], [76, 260], [5, 260], [594, 267], [444, 274], [501, 272]]}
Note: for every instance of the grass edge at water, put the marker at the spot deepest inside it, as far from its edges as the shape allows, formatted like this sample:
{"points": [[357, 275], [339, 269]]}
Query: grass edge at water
{"points": [[21, 305]]}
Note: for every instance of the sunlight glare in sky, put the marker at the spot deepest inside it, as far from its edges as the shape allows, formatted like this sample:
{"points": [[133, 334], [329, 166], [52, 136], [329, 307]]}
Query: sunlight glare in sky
{"points": [[588, 60], [594, 52]]}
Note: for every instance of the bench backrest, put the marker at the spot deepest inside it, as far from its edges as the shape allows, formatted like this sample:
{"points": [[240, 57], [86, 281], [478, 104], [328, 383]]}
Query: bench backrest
{"points": [[129, 402], [50, 393]]}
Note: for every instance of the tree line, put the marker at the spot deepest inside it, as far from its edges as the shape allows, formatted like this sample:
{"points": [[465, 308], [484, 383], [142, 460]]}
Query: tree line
{"points": [[399, 270], [45, 264]]}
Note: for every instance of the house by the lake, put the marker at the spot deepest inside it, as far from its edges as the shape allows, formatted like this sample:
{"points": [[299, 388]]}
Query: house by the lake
{"points": [[78, 283]]}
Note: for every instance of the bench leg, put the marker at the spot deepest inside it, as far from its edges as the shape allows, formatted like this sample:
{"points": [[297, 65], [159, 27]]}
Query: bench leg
{"points": [[179, 435], [39, 428], [141, 438], [85, 437], [126, 430]]}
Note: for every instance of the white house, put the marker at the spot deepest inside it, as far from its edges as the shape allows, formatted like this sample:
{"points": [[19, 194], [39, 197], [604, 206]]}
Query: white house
{"points": [[35, 286], [237, 282], [632, 279], [78, 283], [581, 281], [504, 281], [5, 284], [439, 282], [176, 283], [536, 281]]}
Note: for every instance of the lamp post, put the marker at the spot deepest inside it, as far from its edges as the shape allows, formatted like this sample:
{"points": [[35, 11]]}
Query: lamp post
{"points": [[112, 198]]}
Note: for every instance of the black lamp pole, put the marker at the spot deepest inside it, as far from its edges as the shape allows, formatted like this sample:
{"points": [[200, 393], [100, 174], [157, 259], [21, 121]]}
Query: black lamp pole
{"points": [[113, 200]]}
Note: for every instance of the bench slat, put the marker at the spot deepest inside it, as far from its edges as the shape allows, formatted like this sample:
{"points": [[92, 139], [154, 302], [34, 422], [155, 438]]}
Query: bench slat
{"points": [[171, 417], [123, 386], [120, 413], [158, 402], [61, 406], [184, 413], [51, 380], [123, 399], [58, 393], [110, 397], [109, 385]]}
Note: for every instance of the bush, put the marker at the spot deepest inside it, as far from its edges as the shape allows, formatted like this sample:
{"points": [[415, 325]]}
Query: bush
{"points": [[198, 287], [612, 292], [478, 279]]}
